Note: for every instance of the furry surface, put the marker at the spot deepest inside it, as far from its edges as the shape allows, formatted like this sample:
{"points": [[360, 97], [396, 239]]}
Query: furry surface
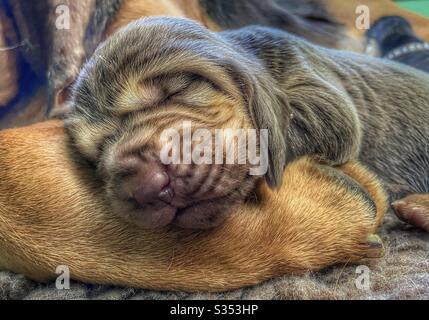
{"points": [[402, 274]]}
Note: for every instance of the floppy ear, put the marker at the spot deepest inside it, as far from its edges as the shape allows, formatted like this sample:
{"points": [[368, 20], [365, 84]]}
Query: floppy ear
{"points": [[269, 109]]}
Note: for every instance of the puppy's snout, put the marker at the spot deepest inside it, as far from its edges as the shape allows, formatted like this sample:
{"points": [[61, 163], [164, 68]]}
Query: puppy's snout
{"points": [[143, 195], [153, 187], [154, 194]]}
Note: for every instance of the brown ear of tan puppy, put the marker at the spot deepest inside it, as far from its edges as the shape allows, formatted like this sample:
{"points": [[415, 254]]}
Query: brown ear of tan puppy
{"points": [[52, 213]]}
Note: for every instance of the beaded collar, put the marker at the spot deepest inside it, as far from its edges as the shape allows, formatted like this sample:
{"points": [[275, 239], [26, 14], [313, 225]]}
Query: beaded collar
{"points": [[406, 49]]}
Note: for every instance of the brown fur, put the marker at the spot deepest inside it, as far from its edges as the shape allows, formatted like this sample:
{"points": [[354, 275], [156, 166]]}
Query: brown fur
{"points": [[52, 213], [135, 9]]}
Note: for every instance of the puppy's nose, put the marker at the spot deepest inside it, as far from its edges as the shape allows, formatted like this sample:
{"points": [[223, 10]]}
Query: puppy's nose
{"points": [[154, 188]]}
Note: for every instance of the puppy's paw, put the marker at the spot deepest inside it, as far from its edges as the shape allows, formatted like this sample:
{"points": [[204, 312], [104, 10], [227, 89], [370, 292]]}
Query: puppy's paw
{"points": [[368, 211], [370, 185], [371, 192], [414, 209], [335, 214]]}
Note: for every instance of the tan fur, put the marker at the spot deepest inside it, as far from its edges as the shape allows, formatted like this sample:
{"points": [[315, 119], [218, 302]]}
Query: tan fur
{"points": [[136, 9], [52, 213]]}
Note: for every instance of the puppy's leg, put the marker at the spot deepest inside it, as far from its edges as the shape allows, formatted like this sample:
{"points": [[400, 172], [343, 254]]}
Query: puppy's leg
{"points": [[52, 213], [414, 209]]}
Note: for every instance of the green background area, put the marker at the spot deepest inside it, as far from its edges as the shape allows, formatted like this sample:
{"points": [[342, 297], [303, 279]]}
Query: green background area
{"points": [[418, 6]]}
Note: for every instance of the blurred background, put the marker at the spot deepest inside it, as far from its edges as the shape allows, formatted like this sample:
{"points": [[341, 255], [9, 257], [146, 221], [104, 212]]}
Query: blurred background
{"points": [[418, 6]]}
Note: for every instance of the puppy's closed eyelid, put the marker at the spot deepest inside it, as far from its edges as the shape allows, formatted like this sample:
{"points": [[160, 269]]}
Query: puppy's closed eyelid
{"points": [[171, 82], [157, 91], [197, 94], [179, 88]]}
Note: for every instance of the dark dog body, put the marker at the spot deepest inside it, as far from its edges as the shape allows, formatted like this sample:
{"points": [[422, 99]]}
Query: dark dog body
{"points": [[308, 19], [346, 105]]}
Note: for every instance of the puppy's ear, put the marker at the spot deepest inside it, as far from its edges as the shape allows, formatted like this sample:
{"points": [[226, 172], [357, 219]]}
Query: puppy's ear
{"points": [[269, 109]]}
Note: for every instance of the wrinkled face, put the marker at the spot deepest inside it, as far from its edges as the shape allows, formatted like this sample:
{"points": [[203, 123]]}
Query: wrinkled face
{"points": [[159, 108], [169, 152]]}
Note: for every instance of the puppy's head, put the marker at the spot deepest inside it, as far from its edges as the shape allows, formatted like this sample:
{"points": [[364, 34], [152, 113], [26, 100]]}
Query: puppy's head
{"points": [[165, 109]]}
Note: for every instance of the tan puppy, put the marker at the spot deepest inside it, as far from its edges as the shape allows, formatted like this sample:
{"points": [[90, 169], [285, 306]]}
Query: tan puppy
{"points": [[52, 213]]}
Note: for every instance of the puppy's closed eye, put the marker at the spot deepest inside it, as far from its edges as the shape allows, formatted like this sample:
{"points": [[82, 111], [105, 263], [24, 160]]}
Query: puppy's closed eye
{"points": [[199, 93], [187, 89]]}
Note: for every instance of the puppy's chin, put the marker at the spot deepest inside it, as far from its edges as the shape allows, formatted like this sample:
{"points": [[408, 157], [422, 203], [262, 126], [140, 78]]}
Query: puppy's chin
{"points": [[204, 215], [201, 216], [148, 217]]}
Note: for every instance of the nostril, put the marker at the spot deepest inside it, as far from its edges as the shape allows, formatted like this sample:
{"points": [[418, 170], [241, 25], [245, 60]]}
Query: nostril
{"points": [[150, 187], [166, 195]]}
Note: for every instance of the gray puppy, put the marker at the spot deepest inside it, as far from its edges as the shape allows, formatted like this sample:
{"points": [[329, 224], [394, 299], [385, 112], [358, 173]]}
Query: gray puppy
{"points": [[158, 72]]}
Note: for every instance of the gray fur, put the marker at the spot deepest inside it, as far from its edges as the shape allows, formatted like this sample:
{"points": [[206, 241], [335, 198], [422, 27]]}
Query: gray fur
{"points": [[346, 106], [331, 104], [306, 18]]}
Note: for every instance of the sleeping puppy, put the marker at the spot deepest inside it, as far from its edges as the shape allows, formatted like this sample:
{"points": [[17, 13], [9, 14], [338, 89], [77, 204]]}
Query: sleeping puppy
{"points": [[157, 73]]}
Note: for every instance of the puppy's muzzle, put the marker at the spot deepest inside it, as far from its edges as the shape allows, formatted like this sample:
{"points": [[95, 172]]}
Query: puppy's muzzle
{"points": [[154, 187], [154, 195], [151, 190]]}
